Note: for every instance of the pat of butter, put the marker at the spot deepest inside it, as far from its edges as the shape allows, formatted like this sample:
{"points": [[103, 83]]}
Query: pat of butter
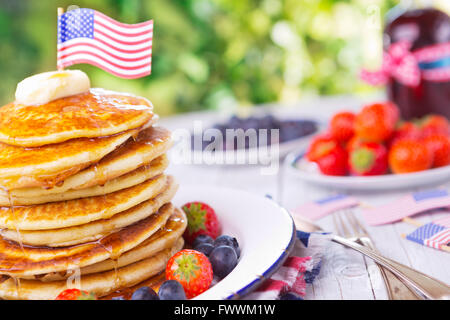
{"points": [[45, 87]]}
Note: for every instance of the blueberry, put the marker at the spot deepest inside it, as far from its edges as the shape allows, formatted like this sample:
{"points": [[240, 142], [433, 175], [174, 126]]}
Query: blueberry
{"points": [[223, 260], [118, 298], [290, 296], [228, 241], [202, 238], [204, 248], [144, 293], [171, 290]]}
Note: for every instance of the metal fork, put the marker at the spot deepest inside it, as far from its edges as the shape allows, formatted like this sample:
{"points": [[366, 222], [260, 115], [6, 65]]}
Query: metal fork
{"points": [[348, 226]]}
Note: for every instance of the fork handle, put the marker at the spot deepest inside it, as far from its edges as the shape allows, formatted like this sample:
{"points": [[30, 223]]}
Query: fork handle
{"points": [[426, 285]]}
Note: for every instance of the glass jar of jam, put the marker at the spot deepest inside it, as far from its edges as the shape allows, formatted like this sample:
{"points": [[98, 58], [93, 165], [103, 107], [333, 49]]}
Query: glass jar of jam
{"points": [[427, 32]]}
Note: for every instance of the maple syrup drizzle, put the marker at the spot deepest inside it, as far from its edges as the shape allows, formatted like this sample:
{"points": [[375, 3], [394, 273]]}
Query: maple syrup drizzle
{"points": [[11, 206]]}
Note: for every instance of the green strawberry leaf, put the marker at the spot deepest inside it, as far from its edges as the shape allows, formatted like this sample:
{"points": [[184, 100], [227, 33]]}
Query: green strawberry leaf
{"points": [[196, 217]]}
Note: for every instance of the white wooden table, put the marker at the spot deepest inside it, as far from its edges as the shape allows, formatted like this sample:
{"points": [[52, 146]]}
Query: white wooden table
{"points": [[345, 274]]}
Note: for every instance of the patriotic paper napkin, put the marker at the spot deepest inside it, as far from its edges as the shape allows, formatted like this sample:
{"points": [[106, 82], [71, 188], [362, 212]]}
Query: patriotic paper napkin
{"points": [[320, 208], [407, 206], [299, 269], [434, 234]]}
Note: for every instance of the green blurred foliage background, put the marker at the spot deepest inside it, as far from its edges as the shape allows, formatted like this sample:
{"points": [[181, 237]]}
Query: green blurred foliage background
{"points": [[215, 54]]}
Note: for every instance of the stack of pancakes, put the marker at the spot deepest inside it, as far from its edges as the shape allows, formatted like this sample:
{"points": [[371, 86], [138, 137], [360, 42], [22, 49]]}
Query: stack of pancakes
{"points": [[84, 198]]}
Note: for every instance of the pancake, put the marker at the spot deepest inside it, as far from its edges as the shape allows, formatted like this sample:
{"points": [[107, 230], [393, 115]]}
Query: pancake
{"points": [[25, 261], [162, 239], [101, 284], [96, 229], [93, 114], [79, 211], [149, 144], [155, 168], [48, 165]]}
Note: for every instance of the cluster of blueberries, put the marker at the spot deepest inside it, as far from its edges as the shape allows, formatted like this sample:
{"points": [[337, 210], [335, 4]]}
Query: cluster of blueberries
{"points": [[288, 129], [223, 253]]}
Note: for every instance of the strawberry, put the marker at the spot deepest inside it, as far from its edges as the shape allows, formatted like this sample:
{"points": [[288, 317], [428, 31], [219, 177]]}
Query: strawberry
{"points": [[201, 220], [439, 146], [353, 143], [376, 122], [434, 125], [368, 159], [342, 126], [320, 146], [406, 130], [75, 294], [409, 155], [334, 163], [192, 269]]}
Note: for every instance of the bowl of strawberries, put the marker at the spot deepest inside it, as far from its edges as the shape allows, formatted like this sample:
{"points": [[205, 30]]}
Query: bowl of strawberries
{"points": [[375, 149]]}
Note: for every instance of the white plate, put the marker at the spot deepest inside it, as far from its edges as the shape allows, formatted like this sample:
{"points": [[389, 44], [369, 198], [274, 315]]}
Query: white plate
{"points": [[265, 232], [306, 173]]}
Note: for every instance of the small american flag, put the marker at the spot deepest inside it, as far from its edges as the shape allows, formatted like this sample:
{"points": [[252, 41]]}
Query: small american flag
{"points": [[406, 206], [320, 208], [434, 234], [88, 36]]}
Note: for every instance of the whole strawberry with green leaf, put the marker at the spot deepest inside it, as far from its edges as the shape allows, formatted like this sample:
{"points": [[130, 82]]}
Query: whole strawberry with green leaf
{"points": [[201, 220], [192, 270], [368, 159]]}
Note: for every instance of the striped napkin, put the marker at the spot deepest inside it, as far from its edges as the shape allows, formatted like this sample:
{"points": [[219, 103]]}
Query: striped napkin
{"points": [[299, 269]]}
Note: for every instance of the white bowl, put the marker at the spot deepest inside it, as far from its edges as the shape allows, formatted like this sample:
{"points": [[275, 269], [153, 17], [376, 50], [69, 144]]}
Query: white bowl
{"points": [[265, 232]]}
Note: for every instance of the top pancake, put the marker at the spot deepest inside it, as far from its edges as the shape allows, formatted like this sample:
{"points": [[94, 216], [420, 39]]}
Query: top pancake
{"points": [[88, 115]]}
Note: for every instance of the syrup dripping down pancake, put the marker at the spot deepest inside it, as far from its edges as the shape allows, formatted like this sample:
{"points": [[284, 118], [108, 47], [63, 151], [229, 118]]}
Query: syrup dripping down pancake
{"points": [[20, 261], [149, 144], [155, 168], [96, 229], [48, 165], [162, 239], [79, 211], [101, 284], [97, 113]]}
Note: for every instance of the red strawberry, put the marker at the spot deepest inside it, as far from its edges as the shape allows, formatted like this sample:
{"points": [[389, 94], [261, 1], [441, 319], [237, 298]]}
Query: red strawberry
{"points": [[75, 294], [406, 130], [320, 146], [192, 269], [201, 220], [435, 125], [409, 156], [334, 163], [368, 159], [439, 146], [342, 126], [353, 143], [376, 122]]}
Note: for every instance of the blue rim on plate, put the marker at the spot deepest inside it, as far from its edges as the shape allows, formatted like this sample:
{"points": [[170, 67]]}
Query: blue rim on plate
{"points": [[272, 269]]}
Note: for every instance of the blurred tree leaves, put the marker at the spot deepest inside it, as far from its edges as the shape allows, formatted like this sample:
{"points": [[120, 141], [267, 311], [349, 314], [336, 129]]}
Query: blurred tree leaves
{"points": [[209, 53]]}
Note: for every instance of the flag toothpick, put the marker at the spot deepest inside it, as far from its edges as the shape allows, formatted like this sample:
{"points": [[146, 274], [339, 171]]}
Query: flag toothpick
{"points": [[418, 224], [60, 12]]}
